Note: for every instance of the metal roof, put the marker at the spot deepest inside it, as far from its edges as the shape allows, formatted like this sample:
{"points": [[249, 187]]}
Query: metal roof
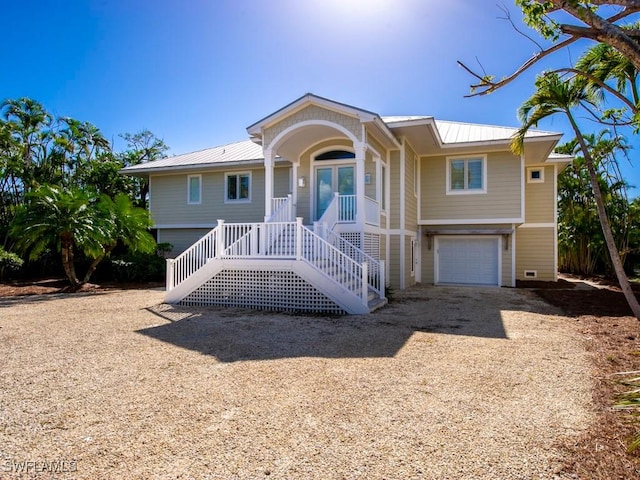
{"points": [[463, 132], [457, 132], [232, 152]]}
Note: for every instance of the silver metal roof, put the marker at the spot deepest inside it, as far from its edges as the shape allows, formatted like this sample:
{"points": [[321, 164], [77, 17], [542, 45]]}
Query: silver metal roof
{"points": [[457, 132], [244, 151]]}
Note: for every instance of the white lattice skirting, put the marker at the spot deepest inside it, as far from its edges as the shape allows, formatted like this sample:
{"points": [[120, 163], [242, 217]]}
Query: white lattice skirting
{"points": [[263, 290]]}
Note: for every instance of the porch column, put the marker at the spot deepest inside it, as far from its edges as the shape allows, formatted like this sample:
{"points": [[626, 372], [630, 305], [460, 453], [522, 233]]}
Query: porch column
{"points": [[360, 150], [268, 182]]}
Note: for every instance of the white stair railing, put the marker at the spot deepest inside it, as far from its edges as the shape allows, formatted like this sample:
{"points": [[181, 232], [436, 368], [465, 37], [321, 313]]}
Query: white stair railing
{"points": [[192, 259], [282, 210], [375, 277]]}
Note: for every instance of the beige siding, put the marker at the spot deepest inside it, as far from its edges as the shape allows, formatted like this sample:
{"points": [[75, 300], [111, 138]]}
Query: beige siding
{"points": [[371, 140], [394, 262], [539, 199], [394, 189], [169, 205], [181, 239], [535, 249], [313, 112], [282, 181], [427, 261], [507, 264], [502, 199], [370, 168], [411, 201]]}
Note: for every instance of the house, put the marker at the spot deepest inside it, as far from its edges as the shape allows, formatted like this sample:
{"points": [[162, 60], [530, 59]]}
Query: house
{"points": [[327, 204]]}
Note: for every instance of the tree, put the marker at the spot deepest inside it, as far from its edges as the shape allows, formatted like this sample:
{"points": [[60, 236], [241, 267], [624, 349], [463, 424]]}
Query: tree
{"points": [[596, 25], [62, 219], [127, 224], [143, 147], [554, 95], [581, 245], [70, 220]]}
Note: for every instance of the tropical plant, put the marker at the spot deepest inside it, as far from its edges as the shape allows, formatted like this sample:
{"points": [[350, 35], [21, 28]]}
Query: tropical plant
{"points": [[64, 219], [555, 95], [9, 262]]}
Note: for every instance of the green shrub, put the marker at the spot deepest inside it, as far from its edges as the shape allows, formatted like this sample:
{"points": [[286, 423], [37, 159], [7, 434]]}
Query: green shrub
{"points": [[141, 267], [9, 262]]}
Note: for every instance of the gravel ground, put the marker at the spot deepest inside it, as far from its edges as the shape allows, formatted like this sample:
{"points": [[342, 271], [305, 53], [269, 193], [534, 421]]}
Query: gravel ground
{"points": [[443, 383]]}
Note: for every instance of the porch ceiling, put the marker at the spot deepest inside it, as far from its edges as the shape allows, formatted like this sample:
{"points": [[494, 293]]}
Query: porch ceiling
{"points": [[302, 138]]}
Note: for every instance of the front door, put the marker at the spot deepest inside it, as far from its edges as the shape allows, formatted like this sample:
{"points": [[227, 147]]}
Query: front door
{"points": [[339, 179]]}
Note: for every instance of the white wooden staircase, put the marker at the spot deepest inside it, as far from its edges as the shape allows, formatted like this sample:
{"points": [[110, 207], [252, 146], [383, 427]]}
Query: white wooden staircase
{"points": [[276, 265]]}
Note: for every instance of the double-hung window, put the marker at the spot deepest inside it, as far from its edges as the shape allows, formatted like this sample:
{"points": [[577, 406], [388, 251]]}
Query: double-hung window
{"points": [[237, 187], [194, 189], [467, 175]]}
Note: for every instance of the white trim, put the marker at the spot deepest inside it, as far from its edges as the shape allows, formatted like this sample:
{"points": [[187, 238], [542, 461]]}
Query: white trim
{"points": [[513, 257], [283, 135], [466, 158], [226, 184], [555, 222], [403, 160], [538, 225], [530, 171], [180, 226], [523, 192], [436, 256], [470, 221], [199, 178]]}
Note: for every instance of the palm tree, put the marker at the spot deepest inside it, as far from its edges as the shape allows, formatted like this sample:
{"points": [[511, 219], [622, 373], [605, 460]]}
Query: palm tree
{"points": [[126, 223], [554, 95], [64, 219]]}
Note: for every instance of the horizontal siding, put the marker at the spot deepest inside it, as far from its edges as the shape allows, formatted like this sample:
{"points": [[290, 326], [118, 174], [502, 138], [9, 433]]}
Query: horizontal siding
{"points": [[408, 278], [502, 199], [539, 199], [394, 189], [507, 265], [535, 251], [181, 239], [394, 262], [370, 169], [282, 181], [169, 200], [410, 199]]}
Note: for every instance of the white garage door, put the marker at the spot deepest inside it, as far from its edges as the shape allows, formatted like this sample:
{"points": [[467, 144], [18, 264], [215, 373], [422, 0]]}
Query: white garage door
{"points": [[467, 260]]}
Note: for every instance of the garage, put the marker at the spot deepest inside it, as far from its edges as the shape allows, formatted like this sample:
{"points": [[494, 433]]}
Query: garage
{"points": [[467, 260]]}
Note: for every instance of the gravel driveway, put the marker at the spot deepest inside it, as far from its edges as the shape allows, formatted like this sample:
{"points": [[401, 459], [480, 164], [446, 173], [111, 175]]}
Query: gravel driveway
{"points": [[443, 383]]}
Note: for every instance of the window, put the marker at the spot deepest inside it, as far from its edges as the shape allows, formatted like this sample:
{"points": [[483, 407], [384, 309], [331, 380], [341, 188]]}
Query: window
{"points": [[237, 187], [466, 175], [335, 155], [194, 189], [535, 175]]}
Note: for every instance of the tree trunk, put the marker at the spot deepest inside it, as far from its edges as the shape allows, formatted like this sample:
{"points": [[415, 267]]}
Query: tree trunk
{"points": [[604, 223], [96, 261], [67, 261]]}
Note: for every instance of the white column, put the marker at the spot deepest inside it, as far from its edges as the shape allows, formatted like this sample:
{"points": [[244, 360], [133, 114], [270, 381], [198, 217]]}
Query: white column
{"points": [[268, 182], [360, 150]]}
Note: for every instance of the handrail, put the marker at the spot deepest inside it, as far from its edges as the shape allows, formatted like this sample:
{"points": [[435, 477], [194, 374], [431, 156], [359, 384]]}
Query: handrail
{"points": [[194, 257], [284, 240], [282, 210], [371, 211], [376, 272]]}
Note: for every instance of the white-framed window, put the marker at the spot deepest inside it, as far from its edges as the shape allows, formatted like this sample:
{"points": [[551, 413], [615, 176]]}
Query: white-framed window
{"points": [[467, 175], [237, 187], [535, 175], [194, 189]]}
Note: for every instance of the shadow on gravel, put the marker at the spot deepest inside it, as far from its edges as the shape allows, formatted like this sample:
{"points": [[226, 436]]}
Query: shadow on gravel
{"points": [[233, 335]]}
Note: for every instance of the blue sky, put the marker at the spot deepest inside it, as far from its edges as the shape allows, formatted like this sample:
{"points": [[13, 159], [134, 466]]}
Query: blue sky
{"points": [[198, 72]]}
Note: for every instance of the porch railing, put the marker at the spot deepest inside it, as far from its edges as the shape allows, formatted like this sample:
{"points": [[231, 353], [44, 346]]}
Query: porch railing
{"points": [[283, 240], [371, 211], [281, 210]]}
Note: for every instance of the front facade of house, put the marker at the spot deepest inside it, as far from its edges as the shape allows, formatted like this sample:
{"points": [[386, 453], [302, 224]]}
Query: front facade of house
{"points": [[414, 199]]}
